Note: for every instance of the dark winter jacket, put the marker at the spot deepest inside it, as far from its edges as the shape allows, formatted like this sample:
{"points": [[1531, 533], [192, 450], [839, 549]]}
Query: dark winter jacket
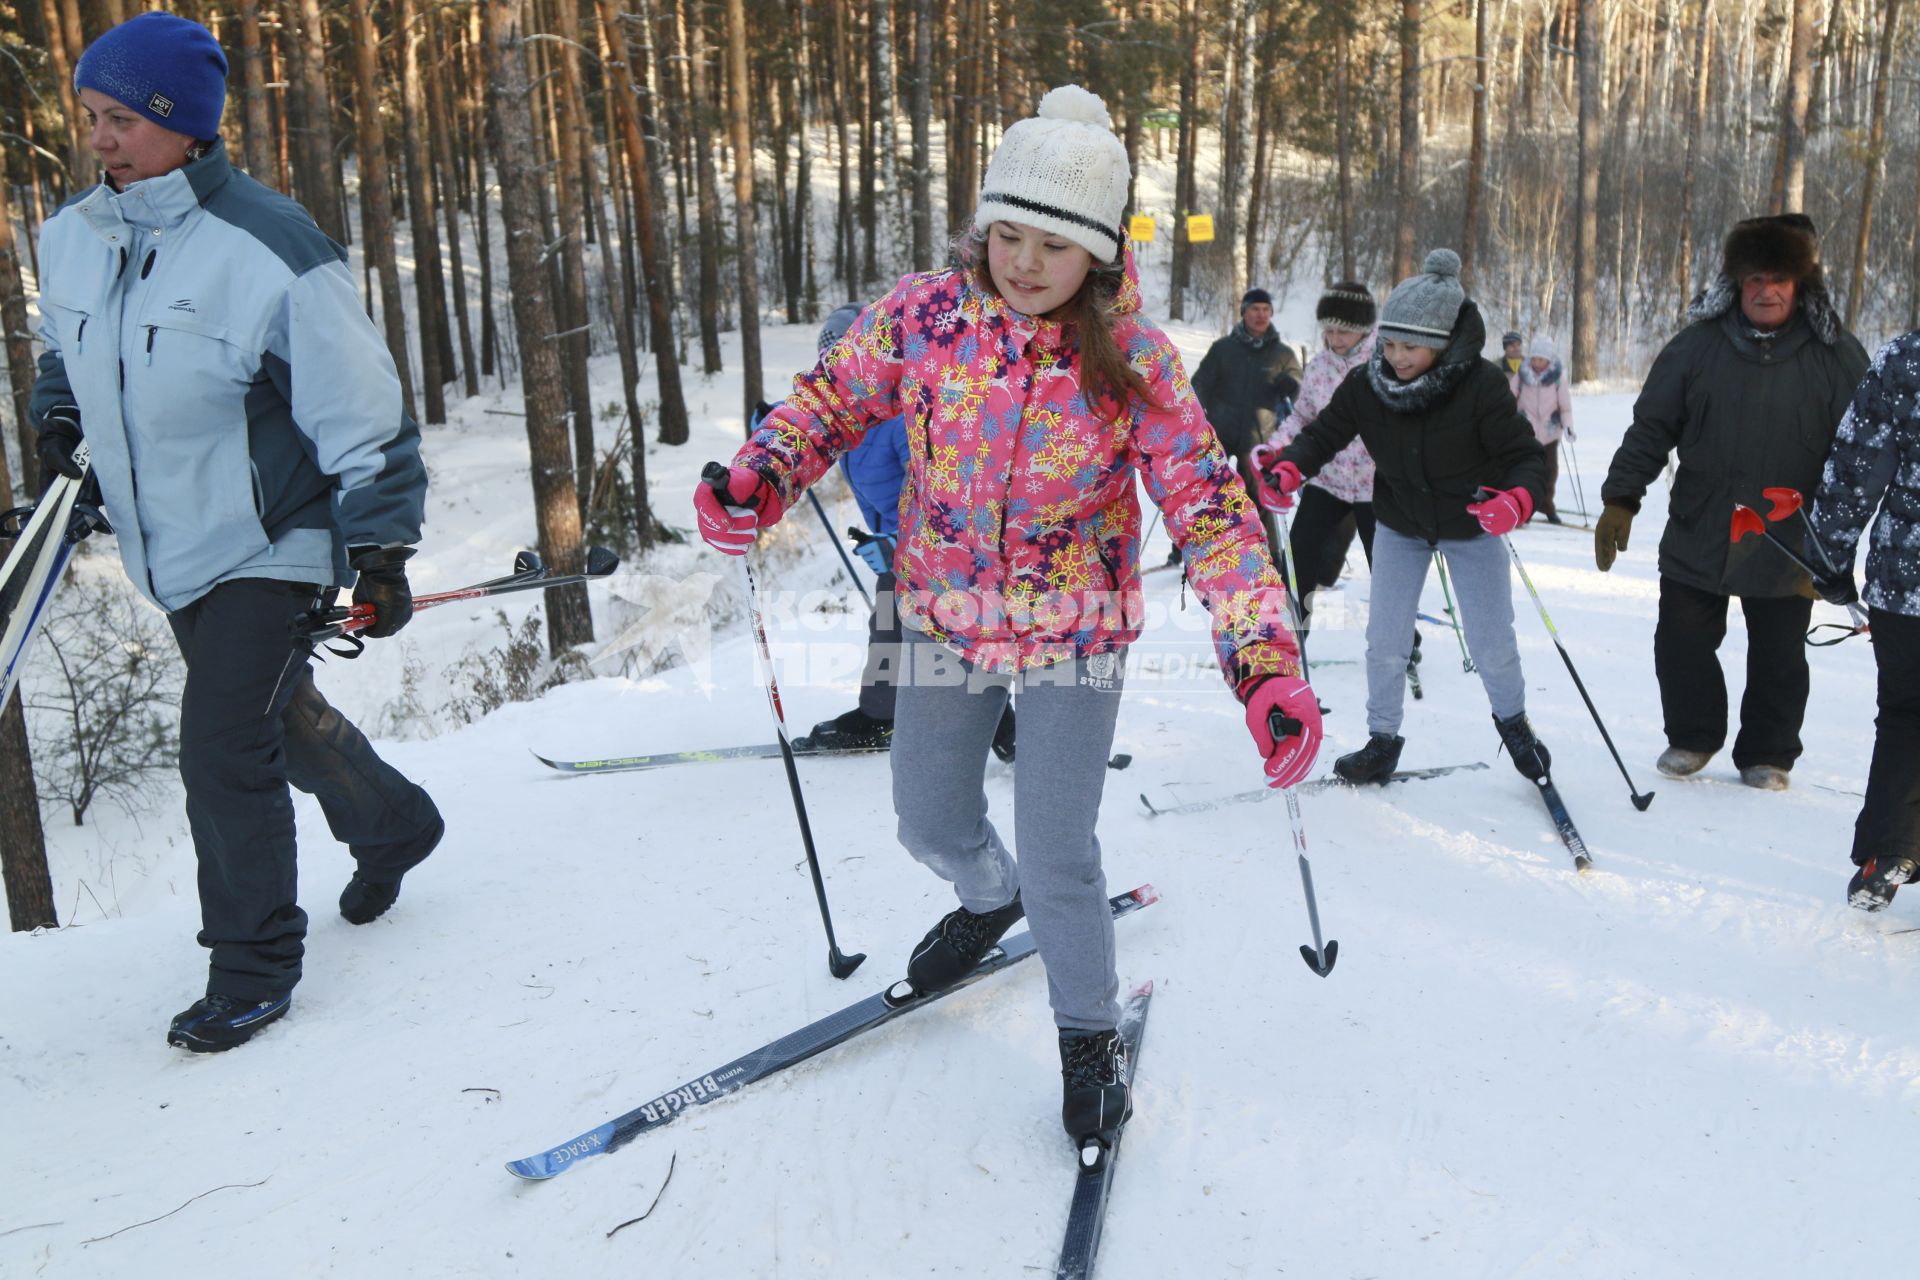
{"points": [[1745, 413], [1240, 376], [1435, 440], [1876, 463]]}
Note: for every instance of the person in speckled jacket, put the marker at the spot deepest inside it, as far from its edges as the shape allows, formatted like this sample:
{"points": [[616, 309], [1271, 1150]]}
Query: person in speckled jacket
{"points": [[1875, 465], [245, 425]]}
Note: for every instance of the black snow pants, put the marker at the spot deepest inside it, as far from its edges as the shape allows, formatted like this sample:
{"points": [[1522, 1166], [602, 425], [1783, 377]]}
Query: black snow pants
{"points": [[1889, 822], [1693, 690], [251, 722]]}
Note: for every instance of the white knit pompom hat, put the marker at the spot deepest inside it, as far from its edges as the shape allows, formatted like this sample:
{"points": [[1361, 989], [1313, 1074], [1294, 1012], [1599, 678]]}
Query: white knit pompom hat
{"points": [[1063, 171]]}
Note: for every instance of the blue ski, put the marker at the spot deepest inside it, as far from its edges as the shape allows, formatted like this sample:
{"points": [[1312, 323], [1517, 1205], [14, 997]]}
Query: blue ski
{"points": [[1563, 823], [1088, 1213], [789, 1050]]}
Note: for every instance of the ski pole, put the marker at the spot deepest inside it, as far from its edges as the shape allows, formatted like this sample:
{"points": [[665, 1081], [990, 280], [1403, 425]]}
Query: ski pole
{"points": [[839, 965], [1641, 799], [1320, 956], [1453, 614], [1295, 604], [1746, 520], [1573, 471], [845, 559], [530, 574]]}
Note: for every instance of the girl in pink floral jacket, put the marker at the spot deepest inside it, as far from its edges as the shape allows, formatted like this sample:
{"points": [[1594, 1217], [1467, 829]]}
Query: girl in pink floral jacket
{"points": [[1035, 393]]}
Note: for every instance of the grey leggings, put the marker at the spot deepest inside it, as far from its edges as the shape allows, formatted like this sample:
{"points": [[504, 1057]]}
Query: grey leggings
{"points": [[1483, 592], [943, 725]]}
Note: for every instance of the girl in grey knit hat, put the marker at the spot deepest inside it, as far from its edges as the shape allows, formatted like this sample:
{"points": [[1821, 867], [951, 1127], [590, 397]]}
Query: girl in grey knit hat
{"points": [[1442, 427]]}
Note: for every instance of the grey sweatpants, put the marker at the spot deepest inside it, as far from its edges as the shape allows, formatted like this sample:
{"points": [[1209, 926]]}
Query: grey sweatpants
{"points": [[1483, 592], [943, 725]]}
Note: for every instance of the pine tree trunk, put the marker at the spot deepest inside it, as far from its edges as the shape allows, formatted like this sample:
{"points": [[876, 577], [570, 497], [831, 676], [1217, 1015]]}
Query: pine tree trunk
{"points": [[376, 229], [1788, 192], [23, 846], [711, 237], [319, 187], [1343, 141], [923, 135], [63, 26], [673, 407], [440, 133], [1477, 151], [1407, 172], [474, 107], [1696, 108], [1586, 329], [746, 250], [1185, 162], [803, 167], [575, 319], [1876, 151], [886, 115], [556, 504], [430, 302], [19, 346]]}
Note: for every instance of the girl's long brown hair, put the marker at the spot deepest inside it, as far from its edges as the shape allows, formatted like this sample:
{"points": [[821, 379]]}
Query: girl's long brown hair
{"points": [[1104, 371]]}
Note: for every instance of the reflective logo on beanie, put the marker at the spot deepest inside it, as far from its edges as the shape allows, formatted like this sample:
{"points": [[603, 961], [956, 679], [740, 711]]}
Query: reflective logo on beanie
{"points": [[161, 105]]}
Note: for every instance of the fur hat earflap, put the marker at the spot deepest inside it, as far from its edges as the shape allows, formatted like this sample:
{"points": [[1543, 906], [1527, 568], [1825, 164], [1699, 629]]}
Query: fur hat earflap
{"points": [[1785, 244]]}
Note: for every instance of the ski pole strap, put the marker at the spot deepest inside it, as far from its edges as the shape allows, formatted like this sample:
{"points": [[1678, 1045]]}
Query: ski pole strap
{"points": [[1846, 633], [1281, 725]]}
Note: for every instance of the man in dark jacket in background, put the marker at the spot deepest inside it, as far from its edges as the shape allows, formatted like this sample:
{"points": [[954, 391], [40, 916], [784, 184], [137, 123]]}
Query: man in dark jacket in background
{"points": [[1750, 393], [1245, 375]]}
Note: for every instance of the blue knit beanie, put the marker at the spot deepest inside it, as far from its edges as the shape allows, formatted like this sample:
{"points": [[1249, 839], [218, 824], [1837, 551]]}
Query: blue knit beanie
{"points": [[167, 68]]}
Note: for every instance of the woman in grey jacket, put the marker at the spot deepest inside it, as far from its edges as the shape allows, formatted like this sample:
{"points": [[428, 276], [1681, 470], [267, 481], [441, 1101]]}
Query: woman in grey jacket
{"points": [[245, 424]]}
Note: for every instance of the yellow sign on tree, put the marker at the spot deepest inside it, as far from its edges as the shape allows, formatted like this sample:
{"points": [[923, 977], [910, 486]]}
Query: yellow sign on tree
{"points": [[1140, 227], [1199, 228]]}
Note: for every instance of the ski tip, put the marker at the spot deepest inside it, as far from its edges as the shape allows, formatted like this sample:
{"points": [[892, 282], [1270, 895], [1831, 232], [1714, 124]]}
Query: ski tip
{"points": [[1312, 958], [1146, 895], [532, 1169], [549, 1164], [1144, 989]]}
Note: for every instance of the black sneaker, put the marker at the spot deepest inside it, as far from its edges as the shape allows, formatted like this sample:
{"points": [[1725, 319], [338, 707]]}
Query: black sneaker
{"points": [[363, 901], [1003, 736], [1530, 755], [1374, 762], [954, 946], [1096, 1084], [1873, 886], [215, 1024], [854, 731]]}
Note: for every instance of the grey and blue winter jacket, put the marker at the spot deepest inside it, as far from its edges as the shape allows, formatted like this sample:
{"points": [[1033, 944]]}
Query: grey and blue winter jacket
{"points": [[1875, 465], [244, 415]]}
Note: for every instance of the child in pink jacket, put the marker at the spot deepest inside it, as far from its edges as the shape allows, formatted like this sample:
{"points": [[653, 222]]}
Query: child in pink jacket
{"points": [[1541, 390], [1035, 395]]}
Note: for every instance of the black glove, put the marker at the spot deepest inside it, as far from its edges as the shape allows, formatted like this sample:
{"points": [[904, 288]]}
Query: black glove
{"points": [[1285, 388], [1836, 588], [383, 584], [59, 437]]}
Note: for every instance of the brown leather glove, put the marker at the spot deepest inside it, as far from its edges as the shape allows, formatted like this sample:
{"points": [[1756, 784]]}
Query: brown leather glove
{"points": [[1610, 535]]}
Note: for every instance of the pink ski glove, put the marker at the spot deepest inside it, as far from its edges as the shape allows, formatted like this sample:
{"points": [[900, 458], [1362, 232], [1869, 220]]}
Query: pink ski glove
{"points": [[1284, 718], [1279, 481], [733, 504], [1503, 512]]}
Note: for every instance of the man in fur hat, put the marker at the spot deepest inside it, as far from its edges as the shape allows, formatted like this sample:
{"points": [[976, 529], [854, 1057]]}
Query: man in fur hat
{"points": [[1750, 393], [1245, 384]]}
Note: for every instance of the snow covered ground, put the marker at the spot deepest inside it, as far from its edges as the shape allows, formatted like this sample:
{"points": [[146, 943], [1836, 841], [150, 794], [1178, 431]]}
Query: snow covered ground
{"points": [[1694, 1060]]}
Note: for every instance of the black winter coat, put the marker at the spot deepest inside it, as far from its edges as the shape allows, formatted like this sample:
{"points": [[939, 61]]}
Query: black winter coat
{"points": [[1745, 414], [1239, 377], [1436, 441], [1875, 463]]}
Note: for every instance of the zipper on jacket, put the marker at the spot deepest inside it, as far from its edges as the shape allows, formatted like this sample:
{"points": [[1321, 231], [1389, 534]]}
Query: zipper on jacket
{"points": [[80, 337], [150, 329], [146, 268]]}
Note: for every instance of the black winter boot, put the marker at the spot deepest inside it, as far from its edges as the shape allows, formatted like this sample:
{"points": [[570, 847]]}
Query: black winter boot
{"points": [[1374, 762], [1873, 886], [215, 1024], [1096, 1084], [1530, 755], [854, 731], [954, 946], [363, 901]]}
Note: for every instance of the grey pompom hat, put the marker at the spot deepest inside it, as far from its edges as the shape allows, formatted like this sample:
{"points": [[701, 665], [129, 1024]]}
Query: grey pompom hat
{"points": [[1422, 309]]}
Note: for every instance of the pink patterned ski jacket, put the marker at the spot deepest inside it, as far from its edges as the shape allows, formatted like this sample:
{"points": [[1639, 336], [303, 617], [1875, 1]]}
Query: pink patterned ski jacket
{"points": [[1019, 527], [1349, 477]]}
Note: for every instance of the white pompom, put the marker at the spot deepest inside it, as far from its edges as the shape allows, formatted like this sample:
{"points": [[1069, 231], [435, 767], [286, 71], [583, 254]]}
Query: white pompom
{"points": [[1071, 102], [1442, 262]]}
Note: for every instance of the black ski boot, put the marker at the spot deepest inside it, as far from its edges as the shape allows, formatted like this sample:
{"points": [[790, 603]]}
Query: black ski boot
{"points": [[1530, 755], [1374, 762], [215, 1024], [1873, 886], [1003, 736], [954, 946], [1096, 1085], [854, 731]]}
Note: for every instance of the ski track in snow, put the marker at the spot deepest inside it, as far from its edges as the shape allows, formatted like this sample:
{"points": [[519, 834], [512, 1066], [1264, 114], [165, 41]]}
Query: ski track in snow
{"points": [[1693, 1061]]}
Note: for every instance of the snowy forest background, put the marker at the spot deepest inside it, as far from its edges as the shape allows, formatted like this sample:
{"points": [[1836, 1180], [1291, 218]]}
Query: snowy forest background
{"points": [[530, 187]]}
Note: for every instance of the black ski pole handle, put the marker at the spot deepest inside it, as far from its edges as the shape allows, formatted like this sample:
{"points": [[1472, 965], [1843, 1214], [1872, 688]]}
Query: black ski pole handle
{"points": [[1281, 725], [716, 475]]}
